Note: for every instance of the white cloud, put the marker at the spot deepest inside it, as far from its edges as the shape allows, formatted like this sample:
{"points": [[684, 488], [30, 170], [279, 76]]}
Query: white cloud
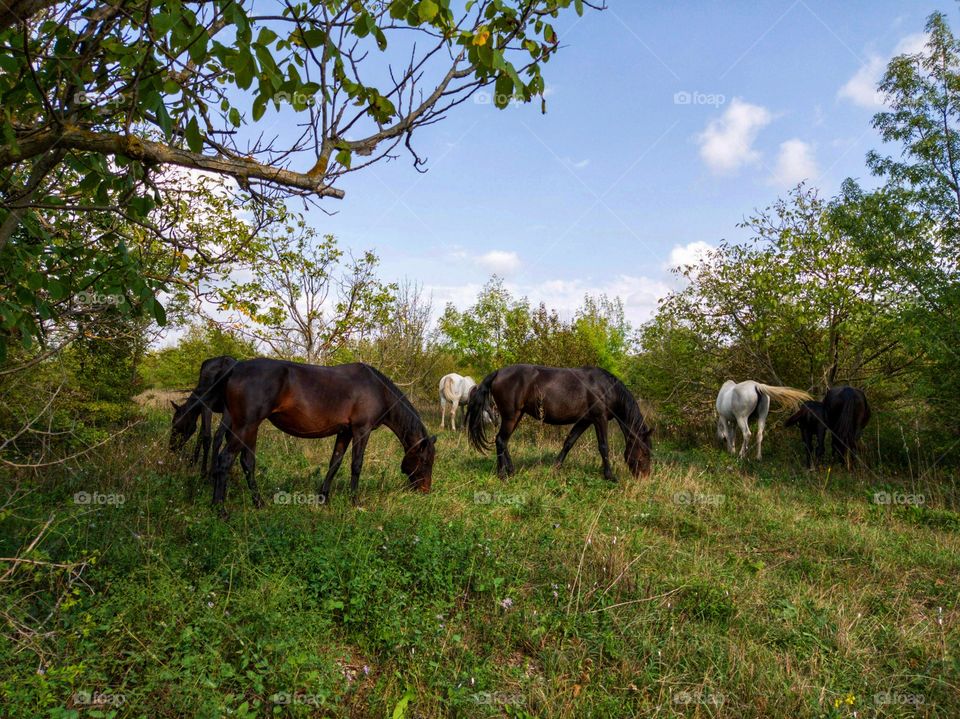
{"points": [[500, 261], [861, 89], [795, 163], [727, 142], [689, 254]]}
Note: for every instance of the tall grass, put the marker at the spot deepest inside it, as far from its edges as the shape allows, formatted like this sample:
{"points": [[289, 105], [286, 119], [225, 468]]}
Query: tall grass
{"points": [[714, 589]]}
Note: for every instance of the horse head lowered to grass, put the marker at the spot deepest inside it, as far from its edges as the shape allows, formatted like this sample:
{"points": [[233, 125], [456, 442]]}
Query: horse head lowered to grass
{"points": [[581, 396], [347, 401]]}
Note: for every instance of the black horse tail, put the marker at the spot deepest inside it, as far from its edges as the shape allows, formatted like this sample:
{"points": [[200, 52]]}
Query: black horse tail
{"points": [[846, 430], [212, 394], [475, 408]]}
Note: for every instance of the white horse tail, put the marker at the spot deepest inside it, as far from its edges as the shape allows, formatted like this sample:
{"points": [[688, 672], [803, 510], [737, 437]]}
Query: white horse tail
{"points": [[786, 396], [446, 388]]}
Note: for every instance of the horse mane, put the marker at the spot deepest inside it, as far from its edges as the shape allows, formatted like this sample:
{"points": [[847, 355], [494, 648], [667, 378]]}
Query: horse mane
{"points": [[408, 422], [626, 403]]}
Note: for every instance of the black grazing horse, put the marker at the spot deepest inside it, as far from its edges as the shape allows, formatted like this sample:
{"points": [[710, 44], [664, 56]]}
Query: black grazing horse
{"points": [[201, 403], [847, 414], [579, 396], [813, 425], [303, 400]]}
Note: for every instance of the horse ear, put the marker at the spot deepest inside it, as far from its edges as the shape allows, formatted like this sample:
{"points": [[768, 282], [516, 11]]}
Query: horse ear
{"points": [[433, 439], [175, 405]]}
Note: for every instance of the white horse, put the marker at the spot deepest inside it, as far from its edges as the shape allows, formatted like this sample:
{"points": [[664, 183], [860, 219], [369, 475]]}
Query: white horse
{"points": [[454, 389], [749, 400]]}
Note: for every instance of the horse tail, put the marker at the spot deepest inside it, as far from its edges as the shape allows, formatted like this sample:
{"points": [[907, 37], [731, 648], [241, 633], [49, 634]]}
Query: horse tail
{"points": [[476, 430], [213, 395], [446, 388], [846, 430], [785, 396]]}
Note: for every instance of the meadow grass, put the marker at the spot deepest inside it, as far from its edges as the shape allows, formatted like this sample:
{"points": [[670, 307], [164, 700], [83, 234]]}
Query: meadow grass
{"points": [[715, 588]]}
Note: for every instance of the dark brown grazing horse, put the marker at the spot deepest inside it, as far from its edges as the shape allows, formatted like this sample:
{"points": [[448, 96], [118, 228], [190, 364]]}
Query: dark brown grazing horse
{"points": [[201, 404], [579, 396], [349, 401], [847, 414], [813, 425]]}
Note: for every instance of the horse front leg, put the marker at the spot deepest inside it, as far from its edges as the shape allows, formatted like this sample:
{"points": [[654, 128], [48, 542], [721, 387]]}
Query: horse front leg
{"points": [[572, 437], [360, 438], [218, 440], [339, 449], [808, 446], [206, 420], [600, 427]]}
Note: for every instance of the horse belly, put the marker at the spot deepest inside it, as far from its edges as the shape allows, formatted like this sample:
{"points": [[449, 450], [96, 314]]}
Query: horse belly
{"points": [[310, 420]]}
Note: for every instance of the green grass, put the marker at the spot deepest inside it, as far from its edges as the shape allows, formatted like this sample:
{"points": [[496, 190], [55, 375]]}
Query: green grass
{"points": [[713, 589]]}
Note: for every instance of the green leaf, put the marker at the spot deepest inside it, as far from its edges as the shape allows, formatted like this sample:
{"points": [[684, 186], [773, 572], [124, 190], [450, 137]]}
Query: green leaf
{"points": [[194, 138], [427, 10], [400, 710]]}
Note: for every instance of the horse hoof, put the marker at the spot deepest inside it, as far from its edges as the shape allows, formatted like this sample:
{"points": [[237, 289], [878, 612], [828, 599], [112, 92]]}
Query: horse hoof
{"points": [[258, 502], [222, 512]]}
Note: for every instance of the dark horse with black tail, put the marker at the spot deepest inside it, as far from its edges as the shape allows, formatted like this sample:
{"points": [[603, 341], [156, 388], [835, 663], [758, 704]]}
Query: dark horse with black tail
{"points": [[813, 425], [349, 401], [201, 404], [582, 397], [847, 414]]}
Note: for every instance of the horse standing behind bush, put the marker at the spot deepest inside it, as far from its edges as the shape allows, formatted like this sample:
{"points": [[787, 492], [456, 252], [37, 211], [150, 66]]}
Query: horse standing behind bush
{"points": [[812, 421], [847, 413], [579, 396], [454, 390]]}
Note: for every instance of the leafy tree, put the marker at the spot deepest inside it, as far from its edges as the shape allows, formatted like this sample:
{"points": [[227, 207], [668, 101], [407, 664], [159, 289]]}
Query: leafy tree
{"points": [[491, 332], [799, 304], [98, 101], [305, 298], [178, 367], [78, 265], [909, 229]]}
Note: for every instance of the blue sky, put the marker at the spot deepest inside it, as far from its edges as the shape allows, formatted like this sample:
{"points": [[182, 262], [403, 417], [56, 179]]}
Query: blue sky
{"points": [[621, 177]]}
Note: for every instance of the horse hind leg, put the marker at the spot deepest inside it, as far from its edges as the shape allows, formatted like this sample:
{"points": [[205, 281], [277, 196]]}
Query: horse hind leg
{"points": [[443, 412], [730, 434], [339, 449], [760, 426], [575, 432], [453, 414], [744, 425], [504, 461]]}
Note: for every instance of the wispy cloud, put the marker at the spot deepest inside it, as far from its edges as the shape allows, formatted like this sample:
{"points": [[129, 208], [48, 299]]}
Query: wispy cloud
{"points": [[861, 88], [726, 144], [795, 163]]}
